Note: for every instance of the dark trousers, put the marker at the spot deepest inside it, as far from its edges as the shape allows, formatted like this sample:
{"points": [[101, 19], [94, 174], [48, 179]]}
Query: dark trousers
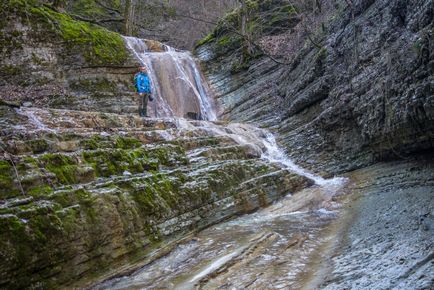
{"points": [[143, 104]]}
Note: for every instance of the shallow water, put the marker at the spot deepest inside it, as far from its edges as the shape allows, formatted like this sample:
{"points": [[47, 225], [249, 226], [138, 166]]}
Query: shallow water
{"points": [[267, 249]]}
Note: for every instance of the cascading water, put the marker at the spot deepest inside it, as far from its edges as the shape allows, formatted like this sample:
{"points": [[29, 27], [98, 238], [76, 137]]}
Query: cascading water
{"points": [[268, 249], [265, 143], [177, 84], [275, 154], [180, 90]]}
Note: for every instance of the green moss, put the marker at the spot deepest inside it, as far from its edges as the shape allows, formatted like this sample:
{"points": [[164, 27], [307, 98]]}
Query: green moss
{"points": [[93, 143], [100, 46], [40, 191], [87, 8], [87, 203], [22, 239], [228, 42], [127, 142], [7, 185], [63, 166], [13, 231], [57, 159], [210, 37]]}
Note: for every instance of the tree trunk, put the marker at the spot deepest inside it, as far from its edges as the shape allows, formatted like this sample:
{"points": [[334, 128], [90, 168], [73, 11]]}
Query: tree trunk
{"points": [[129, 17]]}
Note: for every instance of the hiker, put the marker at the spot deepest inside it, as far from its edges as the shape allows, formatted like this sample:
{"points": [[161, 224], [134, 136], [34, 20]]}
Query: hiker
{"points": [[143, 87]]}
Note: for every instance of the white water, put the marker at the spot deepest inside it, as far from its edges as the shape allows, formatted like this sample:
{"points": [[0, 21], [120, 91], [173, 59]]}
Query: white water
{"points": [[177, 84], [34, 119], [263, 141], [275, 154], [186, 71]]}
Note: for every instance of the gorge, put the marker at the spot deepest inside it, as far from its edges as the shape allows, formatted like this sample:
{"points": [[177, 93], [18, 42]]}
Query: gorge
{"points": [[230, 184]]}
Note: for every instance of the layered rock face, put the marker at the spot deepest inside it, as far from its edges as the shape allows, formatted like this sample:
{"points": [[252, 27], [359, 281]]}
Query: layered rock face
{"points": [[358, 91], [51, 60], [86, 193], [388, 242], [90, 192]]}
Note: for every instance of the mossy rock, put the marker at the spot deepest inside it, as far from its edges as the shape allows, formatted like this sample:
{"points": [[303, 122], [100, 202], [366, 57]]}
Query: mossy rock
{"points": [[8, 187], [98, 45]]}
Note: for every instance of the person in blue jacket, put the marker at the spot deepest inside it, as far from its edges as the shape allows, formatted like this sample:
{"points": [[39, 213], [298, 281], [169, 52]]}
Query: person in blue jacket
{"points": [[143, 87]]}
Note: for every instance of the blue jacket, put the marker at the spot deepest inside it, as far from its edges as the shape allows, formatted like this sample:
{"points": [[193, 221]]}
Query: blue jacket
{"points": [[142, 83]]}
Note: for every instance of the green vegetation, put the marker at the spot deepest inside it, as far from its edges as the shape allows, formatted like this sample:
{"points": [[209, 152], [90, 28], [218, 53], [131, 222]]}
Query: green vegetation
{"points": [[40, 191], [206, 39], [7, 186], [88, 8], [64, 167], [98, 45], [102, 45]]}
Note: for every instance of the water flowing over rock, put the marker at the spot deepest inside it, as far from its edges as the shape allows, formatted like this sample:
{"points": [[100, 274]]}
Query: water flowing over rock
{"points": [[67, 201], [362, 94], [177, 83], [94, 197]]}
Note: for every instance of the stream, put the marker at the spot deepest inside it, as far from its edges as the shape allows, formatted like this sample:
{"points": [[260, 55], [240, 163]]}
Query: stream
{"points": [[268, 249]]}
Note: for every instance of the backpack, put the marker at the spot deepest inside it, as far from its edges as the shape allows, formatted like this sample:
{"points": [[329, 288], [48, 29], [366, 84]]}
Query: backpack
{"points": [[147, 86]]}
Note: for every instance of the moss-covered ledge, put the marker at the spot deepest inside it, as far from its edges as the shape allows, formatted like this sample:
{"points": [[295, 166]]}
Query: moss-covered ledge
{"points": [[98, 45]]}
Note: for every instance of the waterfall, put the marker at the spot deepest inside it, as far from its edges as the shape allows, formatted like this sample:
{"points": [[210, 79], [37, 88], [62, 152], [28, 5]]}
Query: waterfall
{"points": [[181, 90], [178, 86]]}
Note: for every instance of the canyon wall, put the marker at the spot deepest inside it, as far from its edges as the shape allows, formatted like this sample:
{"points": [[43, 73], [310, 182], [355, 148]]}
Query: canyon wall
{"points": [[352, 90]]}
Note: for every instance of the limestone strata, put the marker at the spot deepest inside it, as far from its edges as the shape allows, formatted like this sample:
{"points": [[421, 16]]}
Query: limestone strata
{"points": [[362, 94], [92, 202], [389, 242], [52, 60]]}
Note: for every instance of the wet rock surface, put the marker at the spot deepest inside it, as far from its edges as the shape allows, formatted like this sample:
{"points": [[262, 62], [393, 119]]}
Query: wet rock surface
{"points": [[269, 249], [390, 244], [85, 194], [361, 95]]}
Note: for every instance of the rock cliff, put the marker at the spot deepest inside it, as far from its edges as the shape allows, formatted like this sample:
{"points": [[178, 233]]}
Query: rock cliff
{"points": [[356, 90], [52, 60]]}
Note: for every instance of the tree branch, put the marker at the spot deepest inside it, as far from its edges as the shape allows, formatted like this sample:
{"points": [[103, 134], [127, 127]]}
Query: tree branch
{"points": [[96, 21], [107, 7]]}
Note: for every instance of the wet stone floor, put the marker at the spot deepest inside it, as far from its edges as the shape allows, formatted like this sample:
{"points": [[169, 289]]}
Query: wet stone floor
{"points": [[269, 249]]}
